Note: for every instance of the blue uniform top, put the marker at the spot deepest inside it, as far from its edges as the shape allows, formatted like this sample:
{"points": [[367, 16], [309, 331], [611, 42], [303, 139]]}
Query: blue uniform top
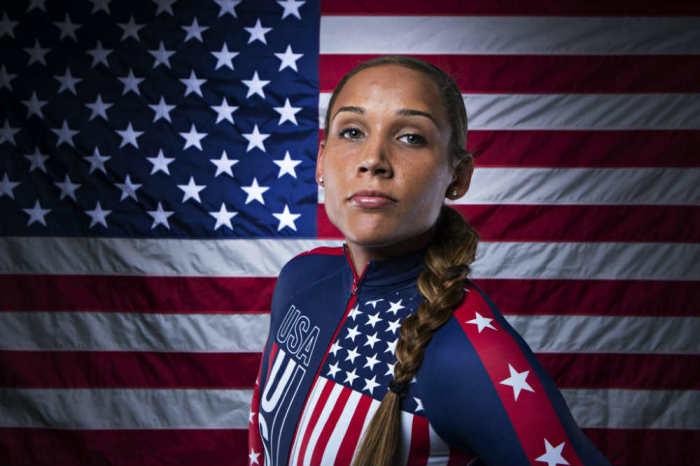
{"points": [[479, 397]]}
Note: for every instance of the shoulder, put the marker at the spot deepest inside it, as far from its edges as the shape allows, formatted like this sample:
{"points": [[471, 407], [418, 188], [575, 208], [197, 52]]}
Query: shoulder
{"points": [[308, 267]]}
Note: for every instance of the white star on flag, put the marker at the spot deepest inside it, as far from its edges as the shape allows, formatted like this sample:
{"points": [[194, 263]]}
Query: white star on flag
{"points": [[227, 7], [352, 333], [193, 84], [97, 161], [371, 361], [393, 326], [223, 164], [129, 136], [160, 162], [131, 83], [67, 28], [98, 215], [372, 340], [194, 31], [287, 165], [350, 376], [291, 7], [160, 216], [395, 306], [255, 85], [38, 4], [224, 111], [98, 108], [36, 53], [286, 218], [354, 312], [7, 26], [36, 214], [223, 217], [257, 32], [100, 5], [224, 57], [191, 190], [162, 110], [255, 192], [517, 381], [6, 186], [287, 112], [131, 29], [67, 188], [37, 160], [552, 455], [128, 188], [5, 78], [161, 56], [334, 348], [68, 82], [7, 133], [164, 6], [256, 139], [481, 322], [99, 55], [372, 319], [288, 58], [65, 134], [352, 354], [193, 138], [371, 384], [333, 369]]}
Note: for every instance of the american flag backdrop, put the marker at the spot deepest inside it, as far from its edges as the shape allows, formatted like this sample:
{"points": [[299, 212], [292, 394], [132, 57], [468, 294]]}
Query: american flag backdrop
{"points": [[156, 171]]}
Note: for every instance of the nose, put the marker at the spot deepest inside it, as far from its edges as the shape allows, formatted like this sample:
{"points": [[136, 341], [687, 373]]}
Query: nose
{"points": [[374, 158]]}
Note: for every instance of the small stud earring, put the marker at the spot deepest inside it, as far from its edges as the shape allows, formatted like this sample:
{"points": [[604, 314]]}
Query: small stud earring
{"points": [[320, 181], [455, 192]]}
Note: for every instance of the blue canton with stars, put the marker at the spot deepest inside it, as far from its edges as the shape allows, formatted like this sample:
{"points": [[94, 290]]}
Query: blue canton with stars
{"points": [[363, 355], [163, 118]]}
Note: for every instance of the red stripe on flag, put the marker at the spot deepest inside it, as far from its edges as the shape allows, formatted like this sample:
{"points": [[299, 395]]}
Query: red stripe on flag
{"points": [[352, 437], [618, 223], [176, 447], [459, 458], [114, 369], [650, 447], [338, 407], [546, 73], [594, 297], [509, 7], [499, 352], [420, 442], [585, 148], [202, 295]]}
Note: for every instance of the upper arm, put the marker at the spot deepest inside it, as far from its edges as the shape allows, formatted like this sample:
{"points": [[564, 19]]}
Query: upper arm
{"points": [[497, 400]]}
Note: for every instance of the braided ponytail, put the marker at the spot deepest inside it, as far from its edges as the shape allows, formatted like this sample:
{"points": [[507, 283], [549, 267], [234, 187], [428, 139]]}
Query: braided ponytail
{"points": [[442, 284]]}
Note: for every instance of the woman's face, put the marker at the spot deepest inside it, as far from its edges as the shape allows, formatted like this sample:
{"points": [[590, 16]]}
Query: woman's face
{"points": [[385, 161]]}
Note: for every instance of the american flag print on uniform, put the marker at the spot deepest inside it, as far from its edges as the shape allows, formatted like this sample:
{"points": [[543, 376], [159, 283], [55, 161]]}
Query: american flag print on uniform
{"points": [[136, 269]]}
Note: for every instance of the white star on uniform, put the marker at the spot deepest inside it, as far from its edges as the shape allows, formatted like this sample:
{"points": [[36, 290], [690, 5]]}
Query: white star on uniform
{"points": [[253, 456], [395, 307], [255, 85], [36, 4], [162, 56], [193, 138], [286, 219], [372, 340], [287, 112], [193, 84], [67, 188], [97, 161], [552, 455], [517, 381], [350, 376], [334, 348], [97, 215], [34, 106], [129, 136], [5, 78], [224, 57], [164, 6], [390, 368], [352, 354], [332, 369], [255, 192], [131, 29], [99, 55], [7, 26], [257, 32], [291, 7], [371, 384], [393, 326], [287, 165], [7, 133], [223, 164], [256, 139], [194, 31], [251, 416], [227, 7], [6, 187], [481, 322], [224, 111], [67, 28], [354, 312], [99, 108], [223, 217], [36, 53], [419, 404], [371, 362], [100, 5], [128, 188], [372, 319], [374, 302], [65, 134], [160, 162], [131, 83], [352, 333], [391, 348], [36, 214], [68, 82], [37, 160], [160, 217], [162, 110], [191, 190], [288, 59]]}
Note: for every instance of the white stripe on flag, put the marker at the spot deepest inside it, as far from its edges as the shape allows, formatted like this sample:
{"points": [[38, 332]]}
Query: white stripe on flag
{"points": [[125, 408], [496, 35], [341, 428], [580, 186], [439, 450], [306, 417], [203, 333], [373, 406], [501, 259], [575, 111], [406, 437], [635, 409]]}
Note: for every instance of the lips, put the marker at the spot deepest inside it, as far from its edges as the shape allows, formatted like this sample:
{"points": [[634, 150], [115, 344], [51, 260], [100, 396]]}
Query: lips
{"points": [[371, 199]]}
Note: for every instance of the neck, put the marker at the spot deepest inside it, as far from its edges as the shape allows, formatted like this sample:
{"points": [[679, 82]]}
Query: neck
{"points": [[361, 254]]}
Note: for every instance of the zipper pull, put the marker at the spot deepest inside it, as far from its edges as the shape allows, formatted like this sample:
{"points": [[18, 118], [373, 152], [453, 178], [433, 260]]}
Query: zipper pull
{"points": [[353, 291]]}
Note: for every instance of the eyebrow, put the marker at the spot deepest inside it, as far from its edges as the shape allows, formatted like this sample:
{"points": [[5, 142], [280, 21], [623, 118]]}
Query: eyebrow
{"points": [[358, 110], [402, 112]]}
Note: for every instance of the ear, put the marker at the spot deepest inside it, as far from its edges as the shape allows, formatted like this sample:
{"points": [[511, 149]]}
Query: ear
{"points": [[461, 179], [319, 160]]}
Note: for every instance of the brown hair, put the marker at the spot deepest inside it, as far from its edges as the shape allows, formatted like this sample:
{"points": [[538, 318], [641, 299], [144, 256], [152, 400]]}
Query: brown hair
{"points": [[447, 259]]}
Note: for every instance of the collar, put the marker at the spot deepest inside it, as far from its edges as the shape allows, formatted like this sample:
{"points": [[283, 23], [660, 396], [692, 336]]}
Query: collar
{"points": [[388, 272]]}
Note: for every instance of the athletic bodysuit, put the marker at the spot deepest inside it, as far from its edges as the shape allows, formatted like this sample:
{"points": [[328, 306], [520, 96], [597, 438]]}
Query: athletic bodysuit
{"points": [[479, 397]]}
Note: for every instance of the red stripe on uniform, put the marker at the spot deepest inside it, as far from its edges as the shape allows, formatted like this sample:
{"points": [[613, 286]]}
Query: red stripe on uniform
{"points": [[271, 359], [420, 442], [546, 73], [202, 295], [337, 410], [459, 458], [118, 369], [316, 413], [176, 447], [498, 351], [352, 438], [593, 297]]}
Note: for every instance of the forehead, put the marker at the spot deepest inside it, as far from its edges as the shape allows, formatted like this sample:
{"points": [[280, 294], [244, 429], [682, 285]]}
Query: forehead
{"points": [[391, 86]]}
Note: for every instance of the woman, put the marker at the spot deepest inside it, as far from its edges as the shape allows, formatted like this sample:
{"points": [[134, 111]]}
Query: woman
{"points": [[391, 316]]}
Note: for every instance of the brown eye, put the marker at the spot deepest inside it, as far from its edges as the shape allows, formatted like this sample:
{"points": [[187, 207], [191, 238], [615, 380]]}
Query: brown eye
{"points": [[350, 133], [413, 139]]}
